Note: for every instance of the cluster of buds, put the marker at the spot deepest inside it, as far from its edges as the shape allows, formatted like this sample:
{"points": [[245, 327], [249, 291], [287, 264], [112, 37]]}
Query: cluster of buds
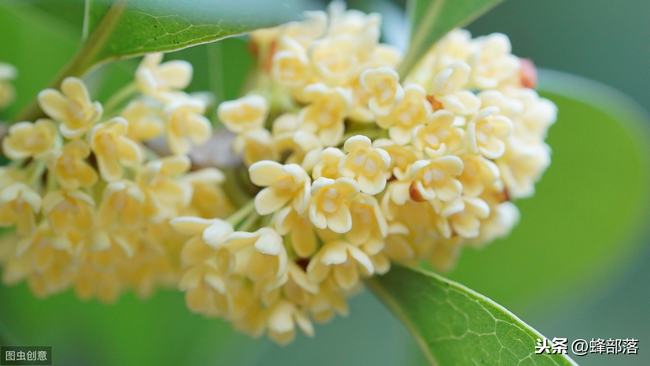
{"points": [[90, 201], [350, 168]]}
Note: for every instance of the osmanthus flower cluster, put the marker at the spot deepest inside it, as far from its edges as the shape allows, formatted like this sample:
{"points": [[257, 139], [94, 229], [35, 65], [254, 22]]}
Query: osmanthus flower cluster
{"points": [[352, 168], [358, 169], [89, 200]]}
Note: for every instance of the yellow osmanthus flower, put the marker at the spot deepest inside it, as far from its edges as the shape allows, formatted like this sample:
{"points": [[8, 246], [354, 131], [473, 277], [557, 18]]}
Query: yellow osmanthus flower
{"points": [[19, 205], [412, 110], [206, 266], [72, 107], [296, 146], [412, 232], [451, 79], [285, 185], [36, 259], [298, 230], [156, 78], [244, 114], [306, 31], [382, 84], [343, 261], [369, 226], [492, 63], [488, 133], [70, 168], [123, 205], [260, 256], [369, 231], [366, 164], [145, 121], [455, 46], [255, 145], [396, 245], [161, 181], [291, 64], [521, 167], [330, 203], [438, 136], [479, 175], [70, 215], [336, 59], [463, 217], [450, 89], [353, 22], [113, 148], [186, 125], [503, 217], [27, 139], [213, 233], [325, 114], [347, 45], [329, 301], [208, 197], [325, 163], [535, 114], [401, 156], [219, 258], [436, 179], [283, 318], [298, 289]]}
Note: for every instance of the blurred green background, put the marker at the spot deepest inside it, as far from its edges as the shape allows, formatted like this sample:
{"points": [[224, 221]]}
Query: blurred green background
{"points": [[577, 266], [608, 42]]}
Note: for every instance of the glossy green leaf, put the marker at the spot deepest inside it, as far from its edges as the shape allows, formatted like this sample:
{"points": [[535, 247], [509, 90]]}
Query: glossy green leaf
{"points": [[432, 19], [590, 208], [454, 325], [135, 27]]}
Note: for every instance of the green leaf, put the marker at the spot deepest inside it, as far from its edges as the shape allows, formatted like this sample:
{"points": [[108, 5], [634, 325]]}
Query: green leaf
{"points": [[135, 27], [454, 325], [432, 19], [589, 213]]}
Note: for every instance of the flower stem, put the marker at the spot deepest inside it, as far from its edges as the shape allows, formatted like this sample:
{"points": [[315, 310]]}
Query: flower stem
{"points": [[122, 95], [233, 188], [249, 222], [35, 171], [241, 213]]}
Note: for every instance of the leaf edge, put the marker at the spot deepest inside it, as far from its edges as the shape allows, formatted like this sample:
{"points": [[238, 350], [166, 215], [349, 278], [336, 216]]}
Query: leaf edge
{"points": [[389, 301]]}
